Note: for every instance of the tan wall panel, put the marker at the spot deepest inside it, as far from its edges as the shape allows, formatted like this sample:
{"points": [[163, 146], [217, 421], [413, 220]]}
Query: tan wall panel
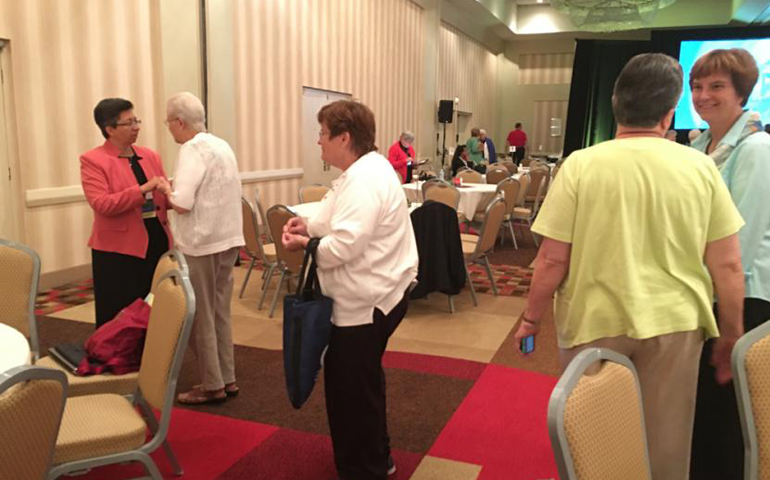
{"points": [[371, 49], [546, 68], [468, 71], [544, 112]]}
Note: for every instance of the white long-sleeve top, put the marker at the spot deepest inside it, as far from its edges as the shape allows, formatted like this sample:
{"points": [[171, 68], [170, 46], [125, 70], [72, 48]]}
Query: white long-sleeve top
{"points": [[207, 183], [368, 255]]}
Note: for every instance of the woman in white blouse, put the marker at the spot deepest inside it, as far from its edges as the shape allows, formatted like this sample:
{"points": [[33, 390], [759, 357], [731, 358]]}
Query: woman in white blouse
{"points": [[367, 260]]}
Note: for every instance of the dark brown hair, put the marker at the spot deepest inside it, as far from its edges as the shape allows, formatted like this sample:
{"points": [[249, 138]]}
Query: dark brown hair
{"points": [[352, 117], [107, 112], [736, 62], [647, 88]]}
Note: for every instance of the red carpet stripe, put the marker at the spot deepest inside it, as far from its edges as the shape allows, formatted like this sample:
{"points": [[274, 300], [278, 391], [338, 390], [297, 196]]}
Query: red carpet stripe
{"points": [[447, 367], [501, 425]]}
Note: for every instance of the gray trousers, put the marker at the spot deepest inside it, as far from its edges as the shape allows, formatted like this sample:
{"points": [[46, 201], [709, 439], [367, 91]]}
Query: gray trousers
{"points": [[212, 334]]}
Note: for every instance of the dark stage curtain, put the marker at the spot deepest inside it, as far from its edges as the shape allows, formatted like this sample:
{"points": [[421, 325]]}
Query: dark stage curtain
{"points": [[597, 65]]}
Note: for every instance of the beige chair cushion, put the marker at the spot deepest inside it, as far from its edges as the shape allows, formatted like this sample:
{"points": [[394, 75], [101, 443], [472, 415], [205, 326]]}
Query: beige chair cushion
{"points": [[98, 425], [18, 268], [468, 247], [603, 425], [93, 384], [757, 373], [521, 212], [469, 237], [269, 249], [29, 415]]}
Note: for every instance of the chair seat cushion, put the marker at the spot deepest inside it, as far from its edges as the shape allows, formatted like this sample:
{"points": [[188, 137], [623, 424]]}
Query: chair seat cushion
{"points": [[522, 212], [469, 237], [468, 247], [93, 384], [98, 425], [269, 249]]}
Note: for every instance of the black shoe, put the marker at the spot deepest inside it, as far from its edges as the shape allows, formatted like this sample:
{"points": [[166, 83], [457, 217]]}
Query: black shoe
{"points": [[391, 466]]}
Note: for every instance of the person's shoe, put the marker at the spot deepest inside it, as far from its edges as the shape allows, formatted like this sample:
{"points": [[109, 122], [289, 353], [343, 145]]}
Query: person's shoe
{"points": [[391, 466]]}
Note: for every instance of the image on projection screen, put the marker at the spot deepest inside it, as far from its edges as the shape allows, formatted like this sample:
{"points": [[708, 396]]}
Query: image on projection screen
{"points": [[686, 118]]}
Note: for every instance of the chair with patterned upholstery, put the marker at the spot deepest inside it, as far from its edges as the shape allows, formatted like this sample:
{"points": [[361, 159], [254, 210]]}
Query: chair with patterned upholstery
{"points": [[289, 262], [31, 405], [510, 166], [257, 250], [443, 193], [596, 419], [470, 176], [107, 429], [497, 175], [312, 193], [476, 251], [526, 215], [107, 382], [537, 174], [20, 267], [751, 374], [428, 184]]}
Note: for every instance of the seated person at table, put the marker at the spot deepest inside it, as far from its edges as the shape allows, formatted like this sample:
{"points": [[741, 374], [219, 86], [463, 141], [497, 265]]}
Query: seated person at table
{"points": [[460, 159]]}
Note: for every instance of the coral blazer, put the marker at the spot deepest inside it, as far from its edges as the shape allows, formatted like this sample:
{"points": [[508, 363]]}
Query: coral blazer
{"points": [[113, 193], [398, 159]]}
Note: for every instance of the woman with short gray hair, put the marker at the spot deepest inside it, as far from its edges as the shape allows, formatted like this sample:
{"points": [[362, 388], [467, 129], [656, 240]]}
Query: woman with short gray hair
{"points": [[401, 156]]}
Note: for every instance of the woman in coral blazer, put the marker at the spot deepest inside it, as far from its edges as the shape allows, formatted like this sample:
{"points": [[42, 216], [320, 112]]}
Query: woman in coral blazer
{"points": [[130, 230], [401, 154]]}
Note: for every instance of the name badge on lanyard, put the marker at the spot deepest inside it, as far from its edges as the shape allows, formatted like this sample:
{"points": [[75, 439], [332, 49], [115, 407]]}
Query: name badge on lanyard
{"points": [[148, 209]]}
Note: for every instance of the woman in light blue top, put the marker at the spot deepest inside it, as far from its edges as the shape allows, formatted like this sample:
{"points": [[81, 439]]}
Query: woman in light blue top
{"points": [[721, 82]]}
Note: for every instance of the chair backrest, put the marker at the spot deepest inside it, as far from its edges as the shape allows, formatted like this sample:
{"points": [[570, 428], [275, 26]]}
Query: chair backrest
{"points": [[312, 193], [596, 421], [536, 175], [167, 334], [554, 171], [31, 406], [470, 176], [510, 166], [277, 217], [262, 218], [490, 227], [751, 378], [430, 183], [20, 267], [538, 197], [251, 232], [497, 166], [171, 260], [524, 180], [510, 189], [463, 169], [444, 193], [496, 176]]}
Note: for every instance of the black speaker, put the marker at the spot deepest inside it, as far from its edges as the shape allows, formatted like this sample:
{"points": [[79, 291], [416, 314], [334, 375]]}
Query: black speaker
{"points": [[445, 111]]}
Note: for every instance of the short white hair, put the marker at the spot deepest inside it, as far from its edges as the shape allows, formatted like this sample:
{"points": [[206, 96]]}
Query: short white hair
{"points": [[407, 136], [188, 108], [482, 132], [693, 134]]}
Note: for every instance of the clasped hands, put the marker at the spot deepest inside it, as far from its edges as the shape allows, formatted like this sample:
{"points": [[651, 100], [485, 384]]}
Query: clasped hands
{"points": [[159, 183], [295, 236]]}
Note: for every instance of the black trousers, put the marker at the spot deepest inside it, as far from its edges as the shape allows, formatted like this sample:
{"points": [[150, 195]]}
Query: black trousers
{"points": [[120, 279], [355, 395], [717, 441], [519, 154]]}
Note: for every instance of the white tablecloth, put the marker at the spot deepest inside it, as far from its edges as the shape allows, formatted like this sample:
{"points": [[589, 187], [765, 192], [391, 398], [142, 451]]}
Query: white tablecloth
{"points": [[473, 196], [310, 209], [14, 348]]}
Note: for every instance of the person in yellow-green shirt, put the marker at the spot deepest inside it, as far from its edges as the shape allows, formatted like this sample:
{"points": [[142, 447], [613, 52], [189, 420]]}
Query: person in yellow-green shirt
{"points": [[635, 230]]}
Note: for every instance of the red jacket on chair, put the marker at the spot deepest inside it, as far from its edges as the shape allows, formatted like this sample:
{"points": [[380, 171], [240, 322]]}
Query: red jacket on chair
{"points": [[398, 158], [113, 193]]}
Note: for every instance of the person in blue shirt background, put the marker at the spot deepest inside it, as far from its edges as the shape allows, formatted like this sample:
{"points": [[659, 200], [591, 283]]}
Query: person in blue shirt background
{"points": [[721, 82]]}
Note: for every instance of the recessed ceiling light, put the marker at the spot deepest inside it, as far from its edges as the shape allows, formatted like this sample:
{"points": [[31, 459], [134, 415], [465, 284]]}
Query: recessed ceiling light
{"points": [[539, 1]]}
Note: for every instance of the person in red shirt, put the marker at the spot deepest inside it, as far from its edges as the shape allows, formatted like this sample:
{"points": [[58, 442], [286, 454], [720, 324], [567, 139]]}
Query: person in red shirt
{"points": [[517, 138], [401, 156]]}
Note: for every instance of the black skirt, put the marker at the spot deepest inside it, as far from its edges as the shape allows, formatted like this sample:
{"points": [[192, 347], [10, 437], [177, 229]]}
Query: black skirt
{"points": [[120, 279]]}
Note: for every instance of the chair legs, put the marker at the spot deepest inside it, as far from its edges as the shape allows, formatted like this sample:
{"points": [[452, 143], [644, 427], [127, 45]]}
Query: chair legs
{"points": [[451, 304], [491, 278], [473, 291], [246, 279], [268, 276], [513, 235], [152, 423], [277, 293]]}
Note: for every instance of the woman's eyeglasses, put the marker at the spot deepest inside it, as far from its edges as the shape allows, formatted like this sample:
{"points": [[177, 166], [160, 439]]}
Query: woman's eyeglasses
{"points": [[130, 123]]}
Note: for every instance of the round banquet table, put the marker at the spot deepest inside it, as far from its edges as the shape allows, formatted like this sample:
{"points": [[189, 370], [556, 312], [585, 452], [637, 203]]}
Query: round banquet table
{"points": [[310, 209], [14, 348]]}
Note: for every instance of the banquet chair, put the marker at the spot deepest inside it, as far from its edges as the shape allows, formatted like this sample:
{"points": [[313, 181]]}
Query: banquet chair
{"points": [[312, 193], [257, 250], [751, 378], [537, 173], [497, 175], [462, 169], [509, 188], [476, 252], [443, 193], [106, 429], [510, 166], [107, 382], [262, 219], [497, 166], [596, 419], [20, 267], [470, 176], [289, 262], [429, 183], [526, 215], [31, 405]]}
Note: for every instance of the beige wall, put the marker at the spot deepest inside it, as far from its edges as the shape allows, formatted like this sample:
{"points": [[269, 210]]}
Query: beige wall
{"points": [[66, 55], [468, 71], [371, 49], [534, 82]]}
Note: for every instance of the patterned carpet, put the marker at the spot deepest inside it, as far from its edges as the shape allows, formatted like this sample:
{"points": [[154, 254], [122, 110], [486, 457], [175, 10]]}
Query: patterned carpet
{"points": [[56, 299]]}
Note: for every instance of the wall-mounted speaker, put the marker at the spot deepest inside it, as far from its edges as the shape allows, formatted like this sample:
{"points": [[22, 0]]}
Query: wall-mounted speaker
{"points": [[445, 111]]}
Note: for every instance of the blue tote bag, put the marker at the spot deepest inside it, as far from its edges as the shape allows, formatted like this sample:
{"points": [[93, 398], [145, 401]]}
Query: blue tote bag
{"points": [[307, 325]]}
